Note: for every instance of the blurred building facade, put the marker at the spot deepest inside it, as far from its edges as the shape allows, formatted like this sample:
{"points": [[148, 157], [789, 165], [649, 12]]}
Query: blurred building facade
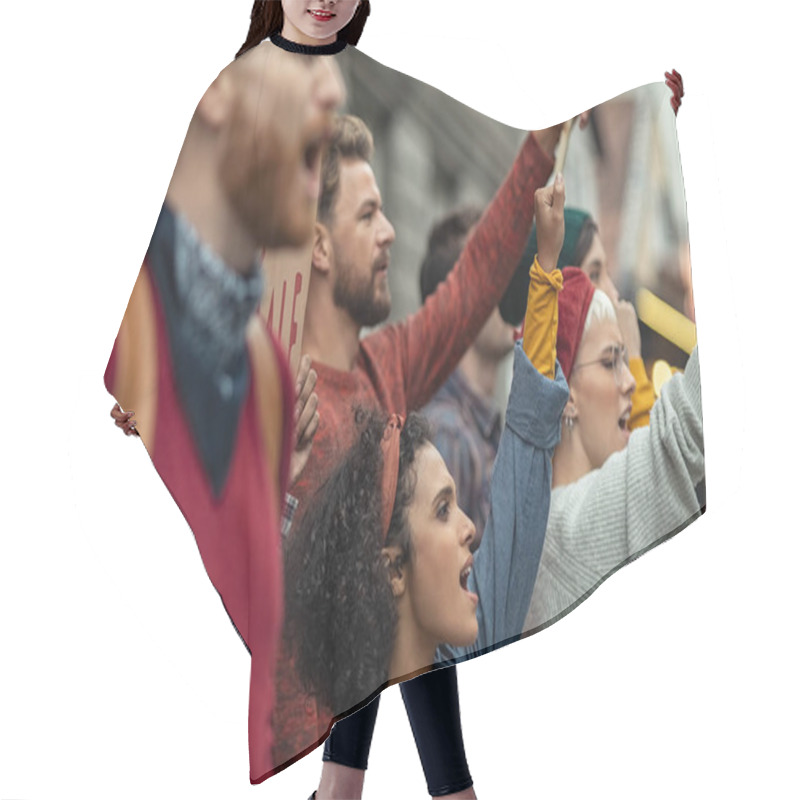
{"points": [[432, 154]]}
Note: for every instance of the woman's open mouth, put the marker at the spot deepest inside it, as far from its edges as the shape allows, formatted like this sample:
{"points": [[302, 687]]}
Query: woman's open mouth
{"points": [[464, 578]]}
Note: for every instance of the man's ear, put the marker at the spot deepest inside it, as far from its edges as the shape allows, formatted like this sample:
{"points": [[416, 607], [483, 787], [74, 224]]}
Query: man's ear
{"points": [[392, 558], [214, 105], [322, 251]]}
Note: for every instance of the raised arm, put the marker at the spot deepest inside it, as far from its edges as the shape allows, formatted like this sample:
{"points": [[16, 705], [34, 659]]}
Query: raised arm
{"points": [[432, 341], [639, 497], [506, 564]]}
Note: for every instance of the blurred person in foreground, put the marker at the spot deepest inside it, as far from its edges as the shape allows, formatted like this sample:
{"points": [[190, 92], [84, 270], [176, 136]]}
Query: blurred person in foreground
{"points": [[209, 385]]}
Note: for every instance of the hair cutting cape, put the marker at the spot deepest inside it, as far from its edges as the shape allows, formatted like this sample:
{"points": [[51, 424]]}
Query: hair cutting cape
{"points": [[214, 442]]}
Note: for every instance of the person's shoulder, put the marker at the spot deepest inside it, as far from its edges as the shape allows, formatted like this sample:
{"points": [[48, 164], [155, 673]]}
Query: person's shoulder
{"points": [[452, 429], [252, 59], [381, 350], [445, 418], [444, 412]]}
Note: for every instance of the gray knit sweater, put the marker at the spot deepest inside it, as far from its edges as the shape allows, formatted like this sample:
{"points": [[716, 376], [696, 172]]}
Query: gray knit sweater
{"points": [[639, 497]]}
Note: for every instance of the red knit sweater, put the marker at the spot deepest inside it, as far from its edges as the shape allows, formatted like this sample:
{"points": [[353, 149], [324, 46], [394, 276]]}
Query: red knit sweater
{"points": [[398, 369]]}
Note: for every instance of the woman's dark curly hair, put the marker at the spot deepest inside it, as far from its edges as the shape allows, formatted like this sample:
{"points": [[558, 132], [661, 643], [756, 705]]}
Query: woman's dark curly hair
{"points": [[340, 611], [266, 19]]}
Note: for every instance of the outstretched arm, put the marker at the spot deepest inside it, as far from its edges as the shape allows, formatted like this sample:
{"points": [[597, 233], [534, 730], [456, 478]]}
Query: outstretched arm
{"points": [[431, 342], [506, 564], [640, 496]]}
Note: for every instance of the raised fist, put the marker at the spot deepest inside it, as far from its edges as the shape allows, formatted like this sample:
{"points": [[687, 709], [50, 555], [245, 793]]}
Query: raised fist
{"points": [[675, 82], [549, 210]]}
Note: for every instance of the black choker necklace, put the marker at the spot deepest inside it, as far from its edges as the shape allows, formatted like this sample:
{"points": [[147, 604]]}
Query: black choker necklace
{"points": [[309, 49]]}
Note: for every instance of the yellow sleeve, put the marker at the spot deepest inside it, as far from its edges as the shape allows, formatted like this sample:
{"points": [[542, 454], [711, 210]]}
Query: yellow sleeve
{"points": [[541, 319], [643, 396]]}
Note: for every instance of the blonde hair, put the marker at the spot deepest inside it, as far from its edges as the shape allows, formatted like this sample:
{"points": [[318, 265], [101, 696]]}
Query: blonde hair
{"points": [[600, 308]]}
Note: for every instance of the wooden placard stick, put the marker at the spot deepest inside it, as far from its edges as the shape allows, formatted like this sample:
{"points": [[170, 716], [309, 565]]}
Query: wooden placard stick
{"points": [[563, 143]]}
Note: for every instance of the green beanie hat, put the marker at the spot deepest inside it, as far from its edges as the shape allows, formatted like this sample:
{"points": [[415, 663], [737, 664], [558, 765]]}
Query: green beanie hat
{"points": [[574, 220], [512, 305]]}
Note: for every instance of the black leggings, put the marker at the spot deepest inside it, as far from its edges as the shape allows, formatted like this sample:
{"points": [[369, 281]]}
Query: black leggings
{"points": [[433, 711]]}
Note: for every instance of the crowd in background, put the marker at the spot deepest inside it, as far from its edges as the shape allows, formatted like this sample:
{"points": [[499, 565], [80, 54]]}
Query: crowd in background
{"points": [[383, 510]]}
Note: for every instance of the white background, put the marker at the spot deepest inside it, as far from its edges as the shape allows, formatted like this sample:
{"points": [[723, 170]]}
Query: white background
{"points": [[120, 675]]}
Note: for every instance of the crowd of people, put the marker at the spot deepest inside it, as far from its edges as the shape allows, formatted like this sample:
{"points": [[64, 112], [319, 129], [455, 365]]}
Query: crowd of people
{"points": [[377, 514]]}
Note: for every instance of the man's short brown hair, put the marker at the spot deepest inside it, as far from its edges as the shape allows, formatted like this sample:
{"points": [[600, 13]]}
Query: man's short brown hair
{"points": [[351, 139]]}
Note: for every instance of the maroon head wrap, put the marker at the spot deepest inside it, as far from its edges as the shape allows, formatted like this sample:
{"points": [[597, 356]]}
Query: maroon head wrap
{"points": [[573, 306]]}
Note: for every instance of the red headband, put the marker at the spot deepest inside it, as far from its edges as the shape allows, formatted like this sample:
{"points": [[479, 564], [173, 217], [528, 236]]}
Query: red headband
{"points": [[391, 466]]}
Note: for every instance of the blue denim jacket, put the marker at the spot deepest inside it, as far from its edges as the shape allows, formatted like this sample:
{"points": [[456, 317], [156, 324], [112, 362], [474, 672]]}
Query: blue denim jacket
{"points": [[508, 559]]}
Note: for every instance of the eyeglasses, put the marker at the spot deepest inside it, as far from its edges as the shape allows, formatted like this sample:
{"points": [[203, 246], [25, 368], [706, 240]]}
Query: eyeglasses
{"points": [[616, 360]]}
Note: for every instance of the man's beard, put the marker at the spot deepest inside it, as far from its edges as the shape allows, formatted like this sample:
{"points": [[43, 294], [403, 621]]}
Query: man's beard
{"points": [[359, 299]]}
